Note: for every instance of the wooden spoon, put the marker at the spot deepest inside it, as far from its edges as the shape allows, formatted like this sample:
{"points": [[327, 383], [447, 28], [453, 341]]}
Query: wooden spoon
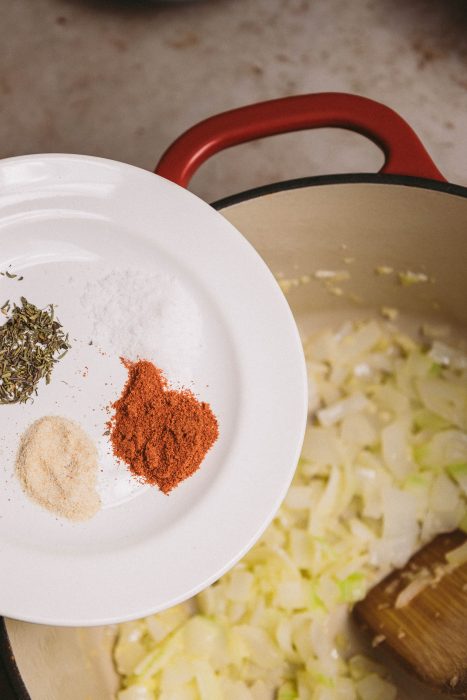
{"points": [[428, 633]]}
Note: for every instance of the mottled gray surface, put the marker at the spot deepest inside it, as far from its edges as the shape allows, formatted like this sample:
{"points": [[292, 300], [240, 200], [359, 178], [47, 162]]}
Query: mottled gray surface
{"points": [[121, 80]]}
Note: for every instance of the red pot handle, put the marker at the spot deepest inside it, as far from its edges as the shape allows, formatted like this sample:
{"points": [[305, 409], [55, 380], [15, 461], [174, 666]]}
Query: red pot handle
{"points": [[403, 150]]}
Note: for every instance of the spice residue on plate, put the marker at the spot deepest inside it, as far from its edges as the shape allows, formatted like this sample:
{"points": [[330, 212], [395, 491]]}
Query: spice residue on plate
{"points": [[162, 434], [57, 468], [31, 341]]}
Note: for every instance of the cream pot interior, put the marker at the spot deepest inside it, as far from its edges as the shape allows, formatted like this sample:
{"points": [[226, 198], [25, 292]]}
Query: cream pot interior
{"points": [[356, 227]]}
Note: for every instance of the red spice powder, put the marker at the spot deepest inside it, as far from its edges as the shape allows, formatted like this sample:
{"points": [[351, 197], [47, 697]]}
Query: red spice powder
{"points": [[162, 434]]}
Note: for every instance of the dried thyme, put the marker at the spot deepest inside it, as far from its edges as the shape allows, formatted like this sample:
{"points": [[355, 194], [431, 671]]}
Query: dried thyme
{"points": [[31, 341], [12, 275]]}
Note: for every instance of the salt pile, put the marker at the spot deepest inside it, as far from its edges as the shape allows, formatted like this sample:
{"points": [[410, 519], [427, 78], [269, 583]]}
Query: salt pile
{"points": [[139, 314]]}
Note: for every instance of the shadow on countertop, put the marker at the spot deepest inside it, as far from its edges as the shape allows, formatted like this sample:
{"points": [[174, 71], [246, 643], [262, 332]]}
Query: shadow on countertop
{"points": [[131, 7], [444, 26]]}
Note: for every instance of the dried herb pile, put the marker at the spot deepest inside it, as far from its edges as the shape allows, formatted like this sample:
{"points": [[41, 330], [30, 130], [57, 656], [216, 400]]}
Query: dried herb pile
{"points": [[12, 275], [31, 341]]}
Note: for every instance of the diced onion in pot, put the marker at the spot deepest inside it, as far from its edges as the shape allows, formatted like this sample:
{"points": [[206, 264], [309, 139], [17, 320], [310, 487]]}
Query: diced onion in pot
{"points": [[458, 556]]}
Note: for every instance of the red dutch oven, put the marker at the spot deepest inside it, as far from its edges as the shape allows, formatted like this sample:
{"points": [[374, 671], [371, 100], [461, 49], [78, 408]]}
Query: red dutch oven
{"points": [[407, 217]]}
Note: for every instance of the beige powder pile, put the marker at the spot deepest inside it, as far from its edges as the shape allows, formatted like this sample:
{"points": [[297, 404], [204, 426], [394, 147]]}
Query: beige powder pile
{"points": [[57, 466]]}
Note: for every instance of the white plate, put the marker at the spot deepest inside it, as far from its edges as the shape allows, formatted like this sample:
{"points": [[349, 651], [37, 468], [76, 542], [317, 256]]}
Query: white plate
{"points": [[67, 216]]}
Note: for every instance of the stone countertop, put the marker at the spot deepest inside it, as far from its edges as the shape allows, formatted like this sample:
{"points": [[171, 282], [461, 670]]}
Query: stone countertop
{"points": [[124, 79]]}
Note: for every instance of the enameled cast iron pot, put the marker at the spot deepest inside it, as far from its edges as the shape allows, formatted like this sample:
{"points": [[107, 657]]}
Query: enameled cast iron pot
{"points": [[406, 217]]}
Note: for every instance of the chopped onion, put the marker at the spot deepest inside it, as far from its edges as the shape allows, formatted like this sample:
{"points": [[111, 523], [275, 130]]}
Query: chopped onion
{"points": [[445, 398], [412, 590], [335, 413], [448, 356], [396, 448], [458, 556]]}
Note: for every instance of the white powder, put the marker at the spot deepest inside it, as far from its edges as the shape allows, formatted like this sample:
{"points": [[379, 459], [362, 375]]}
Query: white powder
{"points": [[143, 315], [57, 468]]}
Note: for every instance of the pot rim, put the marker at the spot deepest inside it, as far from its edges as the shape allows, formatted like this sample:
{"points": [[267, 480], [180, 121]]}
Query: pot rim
{"points": [[8, 664], [341, 179]]}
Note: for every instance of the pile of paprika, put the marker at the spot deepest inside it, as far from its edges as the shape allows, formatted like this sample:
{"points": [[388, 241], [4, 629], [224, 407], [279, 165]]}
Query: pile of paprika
{"points": [[162, 434]]}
